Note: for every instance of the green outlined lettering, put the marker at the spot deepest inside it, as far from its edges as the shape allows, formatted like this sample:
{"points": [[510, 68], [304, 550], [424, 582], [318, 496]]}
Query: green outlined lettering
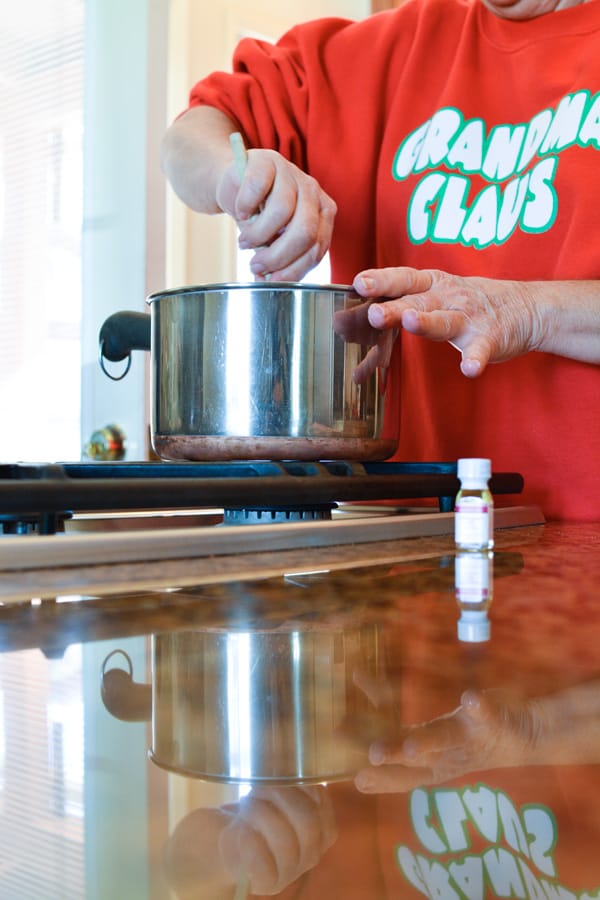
{"points": [[477, 188], [441, 212], [517, 861]]}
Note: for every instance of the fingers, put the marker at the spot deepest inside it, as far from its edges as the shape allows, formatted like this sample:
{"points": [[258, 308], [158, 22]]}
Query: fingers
{"points": [[437, 325], [438, 736], [423, 755], [391, 779], [278, 834], [489, 729], [392, 281], [354, 327], [299, 246], [306, 238], [353, 324], [452, 326], [515, 716], [377, 690], [441, 325], [366, 366], [476, 354], [377, 357], [285, 215], [486, 320], [246, 854]]}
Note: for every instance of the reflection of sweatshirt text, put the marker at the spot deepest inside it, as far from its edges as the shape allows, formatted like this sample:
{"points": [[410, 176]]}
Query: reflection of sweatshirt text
{"points": [[516, 858]]}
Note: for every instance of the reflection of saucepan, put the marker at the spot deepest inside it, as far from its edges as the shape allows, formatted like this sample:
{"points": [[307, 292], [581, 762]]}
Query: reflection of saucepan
{"points": [[251, 706]]}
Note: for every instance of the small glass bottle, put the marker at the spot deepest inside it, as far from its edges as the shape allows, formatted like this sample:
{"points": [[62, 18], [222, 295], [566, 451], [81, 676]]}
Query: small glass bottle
{"points": [[474, 506], [474, 588]]}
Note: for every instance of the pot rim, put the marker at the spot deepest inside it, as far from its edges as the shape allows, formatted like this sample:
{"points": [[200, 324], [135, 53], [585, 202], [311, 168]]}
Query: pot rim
{"points": [[254, 778], [217, 287]]}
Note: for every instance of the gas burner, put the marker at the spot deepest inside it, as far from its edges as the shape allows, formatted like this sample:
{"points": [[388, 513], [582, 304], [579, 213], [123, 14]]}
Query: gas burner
{"points": [[265, 515]]}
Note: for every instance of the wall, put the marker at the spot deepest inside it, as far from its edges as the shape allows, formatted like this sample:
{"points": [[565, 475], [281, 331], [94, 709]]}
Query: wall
{"points": [[124, 198], [201, 249]]}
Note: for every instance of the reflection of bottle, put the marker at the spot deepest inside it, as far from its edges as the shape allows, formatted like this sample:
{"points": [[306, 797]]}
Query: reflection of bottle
{"points": [[474, 587], [107, 443], [474, 507]]}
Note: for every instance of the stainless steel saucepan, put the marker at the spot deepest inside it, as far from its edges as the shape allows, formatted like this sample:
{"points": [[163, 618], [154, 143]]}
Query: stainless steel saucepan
{"points": [[253, 371], [251, 706]]}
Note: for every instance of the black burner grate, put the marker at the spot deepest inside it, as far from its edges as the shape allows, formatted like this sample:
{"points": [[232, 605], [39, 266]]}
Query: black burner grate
{"points": [[38, 497]]}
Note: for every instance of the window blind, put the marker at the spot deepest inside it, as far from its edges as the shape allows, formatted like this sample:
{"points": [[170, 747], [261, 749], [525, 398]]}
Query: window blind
{"points": [[41, 124]]}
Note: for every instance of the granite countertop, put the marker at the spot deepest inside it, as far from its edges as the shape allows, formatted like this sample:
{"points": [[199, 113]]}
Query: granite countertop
{"points": [[166, 731]]}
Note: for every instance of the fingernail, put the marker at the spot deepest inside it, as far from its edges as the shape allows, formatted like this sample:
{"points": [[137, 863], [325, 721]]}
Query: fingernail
{"points": [[364, 282], [470, 367], [470, 700], [376, 754], [376, 315], [364, 783], [409, 748]]}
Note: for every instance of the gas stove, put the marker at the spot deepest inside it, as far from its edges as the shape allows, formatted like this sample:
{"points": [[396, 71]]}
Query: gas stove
{"points": [[54, 516], [41, 498]]}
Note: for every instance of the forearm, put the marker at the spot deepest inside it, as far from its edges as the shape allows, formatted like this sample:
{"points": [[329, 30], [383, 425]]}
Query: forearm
{"points": [[194, 154], [567, 728], [568, 318]]}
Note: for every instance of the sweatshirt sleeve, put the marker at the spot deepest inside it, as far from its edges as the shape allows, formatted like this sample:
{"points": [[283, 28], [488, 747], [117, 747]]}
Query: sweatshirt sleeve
{"points": [[269, 92]]}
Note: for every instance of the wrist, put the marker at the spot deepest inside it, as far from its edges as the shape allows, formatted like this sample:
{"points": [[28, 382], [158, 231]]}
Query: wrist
{"points": [[567, 317]]}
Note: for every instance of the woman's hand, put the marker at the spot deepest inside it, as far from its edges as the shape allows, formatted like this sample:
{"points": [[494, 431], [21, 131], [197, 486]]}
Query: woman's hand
{"points": [[281, 212], [487, 320], [277, 834], [488, 730]]}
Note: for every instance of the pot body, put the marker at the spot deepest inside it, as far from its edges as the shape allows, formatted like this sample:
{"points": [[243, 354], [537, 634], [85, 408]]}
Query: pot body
{"points": [[258, 371], [261, 707]]}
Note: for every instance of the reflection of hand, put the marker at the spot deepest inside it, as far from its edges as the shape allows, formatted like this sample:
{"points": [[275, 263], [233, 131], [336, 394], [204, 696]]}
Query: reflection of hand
{"points": [[277, 834], [354, 327], [282, 213], [488, 730], [487, 320]]}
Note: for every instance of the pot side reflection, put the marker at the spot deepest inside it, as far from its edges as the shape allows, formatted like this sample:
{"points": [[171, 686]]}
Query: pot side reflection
{"points": [[252, 706]]}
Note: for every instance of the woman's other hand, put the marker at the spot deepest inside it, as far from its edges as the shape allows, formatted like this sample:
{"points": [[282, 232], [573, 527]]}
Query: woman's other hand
{"points": [[486, 320]]}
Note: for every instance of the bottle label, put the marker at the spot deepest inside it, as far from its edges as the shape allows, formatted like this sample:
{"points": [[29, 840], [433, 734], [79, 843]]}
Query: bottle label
{"points": [[473, 577], [473, 522]]}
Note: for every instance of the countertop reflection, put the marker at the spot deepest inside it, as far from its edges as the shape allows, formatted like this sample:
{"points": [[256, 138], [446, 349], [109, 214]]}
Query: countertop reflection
{"points": [[407, 723]]}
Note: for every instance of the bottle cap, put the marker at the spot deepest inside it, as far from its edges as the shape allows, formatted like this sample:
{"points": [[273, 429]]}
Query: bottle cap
{"points": [[471, 469], [473, 630]]}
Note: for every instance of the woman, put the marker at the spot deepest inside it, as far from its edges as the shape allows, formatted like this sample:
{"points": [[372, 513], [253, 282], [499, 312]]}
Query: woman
{"points": [[446, 155]]}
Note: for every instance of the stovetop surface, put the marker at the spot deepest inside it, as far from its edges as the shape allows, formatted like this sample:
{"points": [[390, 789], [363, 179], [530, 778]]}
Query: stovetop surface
{"points": [[162, 737]]}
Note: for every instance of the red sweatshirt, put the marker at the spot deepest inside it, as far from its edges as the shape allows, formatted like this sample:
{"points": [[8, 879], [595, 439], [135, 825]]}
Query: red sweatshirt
{"points": [[456, 140]]}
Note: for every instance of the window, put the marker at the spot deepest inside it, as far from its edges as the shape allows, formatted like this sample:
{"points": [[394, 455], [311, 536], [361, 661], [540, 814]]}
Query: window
{"points": [[81, 214], [41, 125]]}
